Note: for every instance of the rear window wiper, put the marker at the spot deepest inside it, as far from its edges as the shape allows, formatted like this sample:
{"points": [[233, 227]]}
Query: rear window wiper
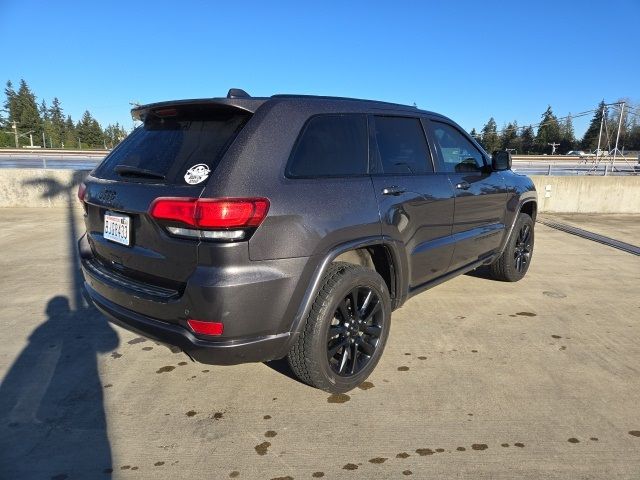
{"points": [[130, 171]]}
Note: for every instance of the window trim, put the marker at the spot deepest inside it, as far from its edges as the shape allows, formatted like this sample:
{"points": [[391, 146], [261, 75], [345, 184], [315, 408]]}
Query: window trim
{"points": [[378, 170], [441, 163], [287, 171]]}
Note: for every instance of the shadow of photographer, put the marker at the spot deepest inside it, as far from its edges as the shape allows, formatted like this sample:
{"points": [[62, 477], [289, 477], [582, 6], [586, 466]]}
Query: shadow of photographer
{"points": [[52, 416]]}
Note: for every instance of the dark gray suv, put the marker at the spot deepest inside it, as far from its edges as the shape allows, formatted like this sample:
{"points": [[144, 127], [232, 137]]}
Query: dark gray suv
{"points": [[245, 229]]}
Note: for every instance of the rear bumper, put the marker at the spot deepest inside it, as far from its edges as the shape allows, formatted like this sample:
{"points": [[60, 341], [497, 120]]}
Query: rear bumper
{"points": [[229, 352], [256, 302]]}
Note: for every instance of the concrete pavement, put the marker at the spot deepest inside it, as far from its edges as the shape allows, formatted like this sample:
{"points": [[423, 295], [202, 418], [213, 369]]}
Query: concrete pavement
{"points": [[480, 380]]}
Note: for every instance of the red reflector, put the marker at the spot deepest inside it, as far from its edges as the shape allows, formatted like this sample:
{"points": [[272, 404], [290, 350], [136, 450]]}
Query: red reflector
{"points": [[82, 190], [206, 328], [212, 213]]}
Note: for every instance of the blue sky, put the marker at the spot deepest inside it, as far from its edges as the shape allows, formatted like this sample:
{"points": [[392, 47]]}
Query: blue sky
{"points": [[468, 60]]}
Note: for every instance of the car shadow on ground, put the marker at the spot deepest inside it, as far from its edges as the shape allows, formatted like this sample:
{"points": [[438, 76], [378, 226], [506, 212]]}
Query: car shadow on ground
{"points": [[52, 416], [483, 272], [282, 367]]}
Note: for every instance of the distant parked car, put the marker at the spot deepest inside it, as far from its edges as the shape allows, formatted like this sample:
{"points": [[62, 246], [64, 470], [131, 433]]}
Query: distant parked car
{"points": [[577, 153]]}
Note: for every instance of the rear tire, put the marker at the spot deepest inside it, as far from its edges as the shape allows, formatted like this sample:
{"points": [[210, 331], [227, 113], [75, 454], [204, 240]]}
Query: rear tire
{"points": [[346, 330], [516, 257]]}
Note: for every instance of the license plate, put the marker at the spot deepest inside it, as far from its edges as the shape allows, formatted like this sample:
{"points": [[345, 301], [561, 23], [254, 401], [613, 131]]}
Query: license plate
{"points": [[116, 228]]}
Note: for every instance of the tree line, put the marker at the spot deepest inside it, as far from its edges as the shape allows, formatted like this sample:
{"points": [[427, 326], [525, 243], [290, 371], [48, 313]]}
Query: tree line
{"points": [[551, 129], [48, 126]]}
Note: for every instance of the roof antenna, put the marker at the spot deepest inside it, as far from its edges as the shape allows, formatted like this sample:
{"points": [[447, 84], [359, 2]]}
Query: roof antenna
{"points": [[237, 93]]}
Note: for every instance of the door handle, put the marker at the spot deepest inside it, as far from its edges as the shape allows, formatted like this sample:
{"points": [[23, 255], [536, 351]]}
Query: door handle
{"points": [[393, 190], [463, 186]]}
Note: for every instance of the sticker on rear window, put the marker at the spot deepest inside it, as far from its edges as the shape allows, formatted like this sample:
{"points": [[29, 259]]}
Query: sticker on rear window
{"points": [[196, 174]]}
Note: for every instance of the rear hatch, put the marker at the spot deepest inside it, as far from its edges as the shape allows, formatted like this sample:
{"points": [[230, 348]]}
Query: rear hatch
{"points": [[173, 154]]}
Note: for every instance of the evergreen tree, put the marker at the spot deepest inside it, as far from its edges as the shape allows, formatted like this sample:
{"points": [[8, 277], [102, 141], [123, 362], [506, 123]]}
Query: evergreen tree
{"points": [[10, 103], [548, 131], [43, 110], [632, 140], [527, 140], [70, 140], [46, 125], [567, 136], [490, 139], [590, 139], [114, 134], [57, 123], [89, 132], [7, 139], [509, 137], [27, 114]]}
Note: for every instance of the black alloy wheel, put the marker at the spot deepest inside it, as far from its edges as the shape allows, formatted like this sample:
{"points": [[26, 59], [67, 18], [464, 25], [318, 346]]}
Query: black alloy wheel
{"points": [[354, 332], [346, 330], [523, 248], [515, 260]]}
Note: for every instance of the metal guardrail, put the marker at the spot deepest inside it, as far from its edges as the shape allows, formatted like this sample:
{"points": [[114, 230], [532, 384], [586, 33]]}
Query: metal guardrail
{"points": [[530, 165], [53, 151], [566, 168]]}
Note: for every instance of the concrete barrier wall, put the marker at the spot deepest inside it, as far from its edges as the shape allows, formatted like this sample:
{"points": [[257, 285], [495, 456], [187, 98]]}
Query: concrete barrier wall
{"points": [[26, 187], [586, 194], [570, 194]]}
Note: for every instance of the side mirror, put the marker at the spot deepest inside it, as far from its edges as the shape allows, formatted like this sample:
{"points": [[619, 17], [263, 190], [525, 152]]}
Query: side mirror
{"points": [[501, 160]]}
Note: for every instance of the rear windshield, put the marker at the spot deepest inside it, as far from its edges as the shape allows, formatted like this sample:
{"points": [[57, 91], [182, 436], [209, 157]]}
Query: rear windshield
{"points": [[181, 147]]}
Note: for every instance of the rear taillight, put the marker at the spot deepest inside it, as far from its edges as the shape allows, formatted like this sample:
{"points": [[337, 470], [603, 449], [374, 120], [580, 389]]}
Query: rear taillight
{"points": [[82, 190], [206, 328], [217, 219], [231, 213]]}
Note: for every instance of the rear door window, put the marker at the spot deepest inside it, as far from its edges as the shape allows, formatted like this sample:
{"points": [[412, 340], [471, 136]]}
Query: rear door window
{"points": [[331, 146], [164, 149], [402, 146]]}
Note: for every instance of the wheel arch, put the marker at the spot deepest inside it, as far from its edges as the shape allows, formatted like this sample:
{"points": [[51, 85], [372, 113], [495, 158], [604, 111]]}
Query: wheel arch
{"points": [[528, 203], [380, 254], [530, 207]]}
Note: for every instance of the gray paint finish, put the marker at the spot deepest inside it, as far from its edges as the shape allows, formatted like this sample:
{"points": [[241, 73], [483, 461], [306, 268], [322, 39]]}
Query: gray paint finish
{"points": [[262, 289]]}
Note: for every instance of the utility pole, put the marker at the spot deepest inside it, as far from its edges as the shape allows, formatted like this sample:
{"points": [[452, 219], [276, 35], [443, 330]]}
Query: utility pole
{"points": [[15, 132], [615, 151], [600, 134], [553, 147]]}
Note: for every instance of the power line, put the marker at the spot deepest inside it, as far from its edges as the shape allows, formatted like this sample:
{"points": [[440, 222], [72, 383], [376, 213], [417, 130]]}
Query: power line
{"points": [[535, 125], [570, 116]]}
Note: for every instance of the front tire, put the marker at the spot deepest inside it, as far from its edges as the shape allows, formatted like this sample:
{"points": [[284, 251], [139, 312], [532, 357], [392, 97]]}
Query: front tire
{"points": [[346, 330], [516, 257]]}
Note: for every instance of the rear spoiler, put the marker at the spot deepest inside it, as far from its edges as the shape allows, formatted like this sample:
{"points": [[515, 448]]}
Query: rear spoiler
{"points": [[249, 105]]}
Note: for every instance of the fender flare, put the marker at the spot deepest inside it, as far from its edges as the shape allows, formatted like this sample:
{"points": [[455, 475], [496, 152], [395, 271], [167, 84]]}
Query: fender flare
{"points": [[398, 266], [528, 197]]}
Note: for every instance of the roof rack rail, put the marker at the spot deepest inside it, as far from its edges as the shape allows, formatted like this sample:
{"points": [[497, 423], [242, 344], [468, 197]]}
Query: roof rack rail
{"points": [[329, 97], [237, 93]]}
